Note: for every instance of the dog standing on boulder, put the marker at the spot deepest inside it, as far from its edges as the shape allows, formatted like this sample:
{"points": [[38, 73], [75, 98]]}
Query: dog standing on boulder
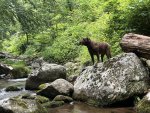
{"points": [[96, 48]]}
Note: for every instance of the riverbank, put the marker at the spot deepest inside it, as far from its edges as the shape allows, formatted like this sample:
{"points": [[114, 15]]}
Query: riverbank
{"points": [[72, 107]]}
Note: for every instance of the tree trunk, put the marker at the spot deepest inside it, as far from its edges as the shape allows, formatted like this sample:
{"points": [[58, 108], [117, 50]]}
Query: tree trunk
{"points": [[27, 36], [138, 44]]}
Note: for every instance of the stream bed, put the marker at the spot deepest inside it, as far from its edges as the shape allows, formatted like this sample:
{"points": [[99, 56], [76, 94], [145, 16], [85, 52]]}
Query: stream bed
{"points": [[76, 107], [12, 82]]}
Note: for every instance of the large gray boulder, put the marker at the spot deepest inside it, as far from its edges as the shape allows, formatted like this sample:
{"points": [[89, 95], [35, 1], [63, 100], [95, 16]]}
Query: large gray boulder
{"points": [[115, 80], [58, 87], [47, 73]]}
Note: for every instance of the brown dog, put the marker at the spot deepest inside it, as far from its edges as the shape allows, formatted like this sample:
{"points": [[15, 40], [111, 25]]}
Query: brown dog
{"points": [[96, 48]]}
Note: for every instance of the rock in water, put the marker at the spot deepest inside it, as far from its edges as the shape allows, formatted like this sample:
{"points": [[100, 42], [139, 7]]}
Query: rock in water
{"points": [[114, 80], [143, 105], [19, 105], [47, 73], [5, 69], [58, 87], [63, 98]]}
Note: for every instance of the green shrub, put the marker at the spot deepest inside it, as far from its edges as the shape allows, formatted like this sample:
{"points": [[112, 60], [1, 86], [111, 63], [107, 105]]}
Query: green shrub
{"points": [[61, 51], [106, 21], [14, 44], [139, 16], [20, 70]]}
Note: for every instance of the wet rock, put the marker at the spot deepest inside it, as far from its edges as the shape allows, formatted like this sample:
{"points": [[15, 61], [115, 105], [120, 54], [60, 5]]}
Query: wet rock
{"points": [[37, 98], [19, 105], [58, 87], [73, 68], [115, 80], [148, 63], [12, 88], [41, 99], [72, 78], [47, 73], [143, 105], [5, 69], [9, 72], [20, 72], [53, 104], [63, 98], [27, 96]]}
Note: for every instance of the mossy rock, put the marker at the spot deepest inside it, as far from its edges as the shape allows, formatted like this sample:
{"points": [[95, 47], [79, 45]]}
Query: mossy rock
{"points": [[19, 105], [19, 102], [92, 102], [143, 106], [43, 86], [12, 88], [63, 98], [27, 96], [20, 72], [53, 104], [41, 99]]}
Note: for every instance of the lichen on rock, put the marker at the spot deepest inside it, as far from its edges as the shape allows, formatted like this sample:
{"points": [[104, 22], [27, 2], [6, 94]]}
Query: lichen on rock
{"points": [[114, 80]]}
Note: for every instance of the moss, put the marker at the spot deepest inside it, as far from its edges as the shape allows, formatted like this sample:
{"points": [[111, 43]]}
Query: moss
{"points": [[63, 98], [12, 88], [19, 102], [27, 96], [53, 104], [42, 86], [20, 71], [93, 102], [143, 106], [43, 110], [41, 99], [40, 109]]}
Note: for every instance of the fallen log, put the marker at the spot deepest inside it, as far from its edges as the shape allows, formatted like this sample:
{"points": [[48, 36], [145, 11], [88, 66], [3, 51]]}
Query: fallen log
{"points": [[138, 44]]}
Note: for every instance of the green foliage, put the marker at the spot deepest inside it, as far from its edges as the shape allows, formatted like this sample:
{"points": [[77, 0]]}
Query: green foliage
{"points": [[52, 29], [20, 70], [62, 50], [13, 45], [139, 16]]}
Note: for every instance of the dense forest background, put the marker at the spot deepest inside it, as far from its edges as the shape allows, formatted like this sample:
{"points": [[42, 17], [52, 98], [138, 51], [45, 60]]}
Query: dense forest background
{"points": [[52, 28]]}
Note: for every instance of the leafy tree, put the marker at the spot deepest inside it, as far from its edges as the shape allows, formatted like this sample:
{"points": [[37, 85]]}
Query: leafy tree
{"points": [[53, 28]]}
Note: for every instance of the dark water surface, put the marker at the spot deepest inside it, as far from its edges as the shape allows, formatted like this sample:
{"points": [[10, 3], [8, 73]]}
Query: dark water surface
{"points": [[84, 108]]}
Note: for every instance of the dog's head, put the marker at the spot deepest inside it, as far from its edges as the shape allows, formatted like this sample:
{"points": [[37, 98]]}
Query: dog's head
{"points": [[85, 41]]}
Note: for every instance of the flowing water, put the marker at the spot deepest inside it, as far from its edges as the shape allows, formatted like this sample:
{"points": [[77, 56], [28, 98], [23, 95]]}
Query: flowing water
{"points": [[12, 82], [75, 107]]}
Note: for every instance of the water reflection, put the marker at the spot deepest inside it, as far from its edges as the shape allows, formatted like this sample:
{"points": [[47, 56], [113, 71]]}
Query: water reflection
{"points": [[84, 108]]}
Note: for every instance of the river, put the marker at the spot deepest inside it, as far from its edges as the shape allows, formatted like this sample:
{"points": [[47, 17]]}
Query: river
{"points": [[12, 82], [76, 107]]}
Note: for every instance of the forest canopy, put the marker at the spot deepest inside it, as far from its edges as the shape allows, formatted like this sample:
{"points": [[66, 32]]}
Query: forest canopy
{"points": [[52, 28]]}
